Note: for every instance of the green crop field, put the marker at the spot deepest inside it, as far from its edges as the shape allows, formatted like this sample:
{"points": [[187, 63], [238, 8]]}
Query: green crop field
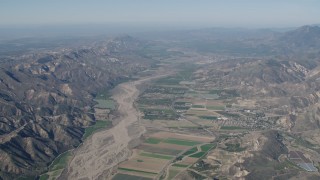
{"points": [[44, 177], [153, 140], [98, 125], [171, 80], [157, 150], [207, 147], [199, 154], [181, 107], [208, 117], [159, 156], [231, 128], [190, 151], [180, 165], [198, 106], [229, 114], [57, 166], [181, 142], [163, 114], [134, 170], [148, 101], [217, 108], [105, 103]]}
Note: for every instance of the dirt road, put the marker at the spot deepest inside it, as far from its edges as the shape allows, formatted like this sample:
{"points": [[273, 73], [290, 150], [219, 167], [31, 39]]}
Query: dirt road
{"points": [[105, 149]]}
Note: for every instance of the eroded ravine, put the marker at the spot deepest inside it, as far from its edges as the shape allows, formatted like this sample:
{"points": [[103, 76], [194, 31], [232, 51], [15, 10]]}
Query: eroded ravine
{"points": [[96, 157]]}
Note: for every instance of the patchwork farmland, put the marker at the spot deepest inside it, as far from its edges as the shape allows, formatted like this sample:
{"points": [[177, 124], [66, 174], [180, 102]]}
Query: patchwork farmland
{"points": [[164, 154], [182, 121]]}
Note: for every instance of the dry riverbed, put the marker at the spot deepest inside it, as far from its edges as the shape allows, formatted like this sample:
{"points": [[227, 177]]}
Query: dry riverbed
{"points": [[97, 156]]}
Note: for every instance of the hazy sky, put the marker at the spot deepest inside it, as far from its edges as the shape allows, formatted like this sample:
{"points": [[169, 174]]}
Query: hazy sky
{"points": [[229, 13]]}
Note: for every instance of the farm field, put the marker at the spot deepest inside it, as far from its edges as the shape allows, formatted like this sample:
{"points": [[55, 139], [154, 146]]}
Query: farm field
{"points": [[204, 112], [232, 128], [188, 160], [165, 135], [169, 124], [202, 122], [97, 126], [160, 149], [180, 165], [180, 142], [156, 149], [154, 155], [173, 172], [129, 177], [105, 104], [172, 111], [57, 166]]}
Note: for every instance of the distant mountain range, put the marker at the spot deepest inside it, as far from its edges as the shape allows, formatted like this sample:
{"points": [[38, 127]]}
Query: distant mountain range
{"points": [[46, 96], [303, 37]]}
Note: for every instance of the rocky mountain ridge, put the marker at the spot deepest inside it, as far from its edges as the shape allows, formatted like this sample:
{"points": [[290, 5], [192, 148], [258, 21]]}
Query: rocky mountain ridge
{"points": [[46, 100]]}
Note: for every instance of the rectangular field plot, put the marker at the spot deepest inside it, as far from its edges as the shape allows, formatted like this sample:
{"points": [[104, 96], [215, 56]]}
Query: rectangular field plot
{"points": [[190, 151], [154, 149], [181, 142], [208, 117], [164, 145], [171, 80], [188, 160], [198, 106], [216, 108], [215, 104], [135, 170], [202, 122], [187, 137], [173, 173], [207, 147], [129, 177], [232, 128], [160, 114], [198, 155], [97, 126], [178, 124], [148, 101], [105, 104], [200, 95], [180, 165], [197, 112], [153, 140], [143, 164], [159, 156], [176, 90]]}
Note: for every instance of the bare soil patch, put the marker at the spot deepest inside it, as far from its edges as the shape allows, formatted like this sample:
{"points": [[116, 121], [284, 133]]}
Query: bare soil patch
{"points": [[165, 135]]}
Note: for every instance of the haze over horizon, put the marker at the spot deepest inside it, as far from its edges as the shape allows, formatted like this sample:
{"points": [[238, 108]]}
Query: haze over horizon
{"points": [[186, 13]]}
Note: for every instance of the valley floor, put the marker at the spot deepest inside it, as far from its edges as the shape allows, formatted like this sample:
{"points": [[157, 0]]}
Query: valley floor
{"points": [[96, 157]]}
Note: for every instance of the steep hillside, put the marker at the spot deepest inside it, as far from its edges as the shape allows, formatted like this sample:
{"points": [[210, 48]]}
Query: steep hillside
{"points": [[46, 99], [263, 164], [303, 37]]}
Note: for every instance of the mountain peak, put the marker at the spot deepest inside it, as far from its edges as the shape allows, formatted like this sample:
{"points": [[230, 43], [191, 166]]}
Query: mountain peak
{"points": [[305, 36], [308, 29]]}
